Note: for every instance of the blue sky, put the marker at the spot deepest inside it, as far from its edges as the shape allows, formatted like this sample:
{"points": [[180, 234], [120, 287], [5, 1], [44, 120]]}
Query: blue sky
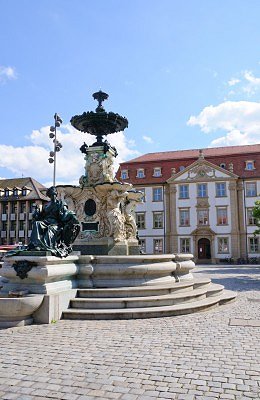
{"points": [[186, 74]]}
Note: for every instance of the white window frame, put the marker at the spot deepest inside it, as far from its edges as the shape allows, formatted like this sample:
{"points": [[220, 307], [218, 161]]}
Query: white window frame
{"points": [[185, 245], [202, 193], [250, 219], [184, 189], [142, 245], [203, 216], [250, 165], [222, 219], [223, 245], [157, 219], [249, 192], [138, 214], [124, 174], [183, 218], [157, 172], [221, 191], [140, 173], [158, 246], [157, 197], [253, 244]]}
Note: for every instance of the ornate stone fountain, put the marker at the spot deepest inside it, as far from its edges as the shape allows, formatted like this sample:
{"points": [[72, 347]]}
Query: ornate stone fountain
{"points": [[103, 205]]}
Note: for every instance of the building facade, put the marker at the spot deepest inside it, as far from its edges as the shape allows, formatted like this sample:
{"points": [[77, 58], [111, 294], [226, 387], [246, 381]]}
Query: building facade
{"points": [[17, 200], [198, 201]]}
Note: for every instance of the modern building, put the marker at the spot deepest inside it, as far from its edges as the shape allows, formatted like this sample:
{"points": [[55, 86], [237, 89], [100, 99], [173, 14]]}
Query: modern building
{"points": [[197, 201], [17, 199]]}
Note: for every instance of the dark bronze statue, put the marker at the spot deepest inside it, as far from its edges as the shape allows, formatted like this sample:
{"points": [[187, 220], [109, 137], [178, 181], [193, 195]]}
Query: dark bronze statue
{"points": [[54, 227]]}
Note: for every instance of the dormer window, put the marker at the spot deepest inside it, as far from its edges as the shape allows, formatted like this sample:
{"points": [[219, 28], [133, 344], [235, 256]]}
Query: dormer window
{"points": [[250, 165], [140, 173], [157, 171], [222, 165], [124, 174], [24, 191], [181, 168], [7, 191], [15, 192]]}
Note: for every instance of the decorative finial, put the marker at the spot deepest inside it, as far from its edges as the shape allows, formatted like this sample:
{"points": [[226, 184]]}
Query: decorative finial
{"points": [[100, 97], [201, 155]]}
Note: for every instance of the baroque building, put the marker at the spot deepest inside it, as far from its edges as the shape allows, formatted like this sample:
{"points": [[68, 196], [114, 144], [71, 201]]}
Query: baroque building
{"points": [[17, 199], [197, 201]]}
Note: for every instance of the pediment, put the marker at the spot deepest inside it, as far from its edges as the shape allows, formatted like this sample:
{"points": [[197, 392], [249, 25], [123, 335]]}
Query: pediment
{"points": [[203, 231], [202, 170]]}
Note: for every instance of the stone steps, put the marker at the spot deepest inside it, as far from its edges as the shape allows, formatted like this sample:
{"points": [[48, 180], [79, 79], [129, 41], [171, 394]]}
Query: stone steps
{"points": [[147, 312], [147, 302]]}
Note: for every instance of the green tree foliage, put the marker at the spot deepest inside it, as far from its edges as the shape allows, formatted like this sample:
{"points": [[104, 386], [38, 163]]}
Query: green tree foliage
{"points": [[256, 215]]}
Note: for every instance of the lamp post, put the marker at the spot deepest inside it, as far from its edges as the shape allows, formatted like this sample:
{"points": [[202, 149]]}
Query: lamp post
{"points": [[56, 144]]}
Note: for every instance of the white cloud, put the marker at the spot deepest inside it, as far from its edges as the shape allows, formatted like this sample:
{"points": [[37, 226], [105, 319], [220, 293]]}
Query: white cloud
{"points": [[32, 160], [148, 139], [240, 120], [252, 83], [7, 73], [233, 81]]}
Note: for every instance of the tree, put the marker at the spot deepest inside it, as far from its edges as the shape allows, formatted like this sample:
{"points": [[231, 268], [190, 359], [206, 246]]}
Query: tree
{"points": [[256, 215]]}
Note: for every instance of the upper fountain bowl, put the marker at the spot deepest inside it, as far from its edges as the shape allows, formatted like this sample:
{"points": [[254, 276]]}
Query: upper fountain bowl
{"points": [[99, 123]]}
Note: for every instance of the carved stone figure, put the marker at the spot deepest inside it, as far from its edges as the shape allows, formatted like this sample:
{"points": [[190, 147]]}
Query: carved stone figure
{"points": [[54, 227], [132, 199], [115, 215]]}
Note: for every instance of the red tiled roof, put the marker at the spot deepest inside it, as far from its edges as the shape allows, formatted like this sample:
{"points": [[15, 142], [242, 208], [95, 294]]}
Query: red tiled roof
{"points": [[194, 153]]}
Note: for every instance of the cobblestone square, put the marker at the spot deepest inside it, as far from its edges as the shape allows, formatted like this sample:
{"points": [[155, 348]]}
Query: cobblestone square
{"points": [[198, 356]]}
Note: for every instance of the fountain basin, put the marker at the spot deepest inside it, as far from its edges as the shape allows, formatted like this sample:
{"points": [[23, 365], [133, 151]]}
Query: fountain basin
{"points": [[18, 311]]}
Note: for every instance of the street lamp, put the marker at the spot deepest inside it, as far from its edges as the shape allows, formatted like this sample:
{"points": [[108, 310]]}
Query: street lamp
{"points": [[56, 144]]}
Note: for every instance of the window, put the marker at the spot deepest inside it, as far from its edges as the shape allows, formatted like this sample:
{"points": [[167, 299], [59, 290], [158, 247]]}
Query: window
{"points": [[6, 192], [181, 168], [184, 217], [13, 207], [184, 191], [30, 224], [4, 225], [15, 192], [222, 165], [22, 207], [13, 226], [250, 218], [222, 216], [157, 220], [157, 194], [143, 191], [202, 190], [157, 171], [5, 208], [142, 244], [140, 220], [140, 173], [251, 189], [203, 217], [21, 225], [32, 206], [124, 174], [250, 165], [185, 245], [24, 191], [221, 190], [223, 246], [157, 246], [253, 245]]}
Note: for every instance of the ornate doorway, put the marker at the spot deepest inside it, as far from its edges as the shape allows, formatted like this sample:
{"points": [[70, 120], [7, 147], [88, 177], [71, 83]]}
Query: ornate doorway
{"points": [[204, 252]]}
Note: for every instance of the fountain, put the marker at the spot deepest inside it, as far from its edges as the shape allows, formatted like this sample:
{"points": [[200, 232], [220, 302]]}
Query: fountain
{"points": [[106, 277]]}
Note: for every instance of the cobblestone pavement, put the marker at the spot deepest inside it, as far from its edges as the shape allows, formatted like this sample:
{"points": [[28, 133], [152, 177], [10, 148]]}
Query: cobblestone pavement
{"points": [[197, 356]]}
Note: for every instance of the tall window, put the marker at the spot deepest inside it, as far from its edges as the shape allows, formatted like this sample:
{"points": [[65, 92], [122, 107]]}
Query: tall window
{"points": [[13, 207], [157, 194], [140, 220], [203, 216], [5, 208], [24, 191], [251, 189], [223, 246], [202, 190], [157, 246], [157, 220], [21, 225], [222, 216], [253, 245], [140, 173], [157, 171], [184, 191], [185, 245], [13, 225], [143, 191], [221, 190], [4, 225], [124, 174], [6, 192], [184, 217], [22, 206], [250, 218], [142, 244]]}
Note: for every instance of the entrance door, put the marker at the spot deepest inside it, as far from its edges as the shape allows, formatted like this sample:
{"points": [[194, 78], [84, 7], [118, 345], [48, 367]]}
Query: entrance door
{"points": [[204, 249]]}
